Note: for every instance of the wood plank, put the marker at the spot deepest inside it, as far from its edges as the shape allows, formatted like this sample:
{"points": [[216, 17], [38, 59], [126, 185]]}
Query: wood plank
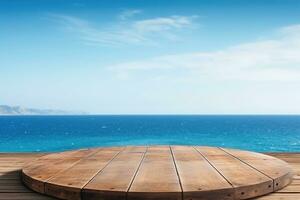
{"points": [[12, 186], [10, 174], [24, 196], [20, 156], [274, 168], [294, 187], [113, 181], [67, 186], [247, 182], [198, 177], [157, 177], [291, 192], [44, 168], [280, 196]]}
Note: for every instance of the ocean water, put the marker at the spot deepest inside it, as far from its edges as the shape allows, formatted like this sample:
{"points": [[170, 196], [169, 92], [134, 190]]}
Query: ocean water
{"points": [[56, 133]]}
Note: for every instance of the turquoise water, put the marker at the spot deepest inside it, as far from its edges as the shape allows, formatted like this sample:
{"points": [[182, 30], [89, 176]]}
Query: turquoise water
{"points": [[55, 133]]}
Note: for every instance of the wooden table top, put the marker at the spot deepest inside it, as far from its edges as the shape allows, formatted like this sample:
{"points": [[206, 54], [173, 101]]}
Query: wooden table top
{"points": [[156, 172]]}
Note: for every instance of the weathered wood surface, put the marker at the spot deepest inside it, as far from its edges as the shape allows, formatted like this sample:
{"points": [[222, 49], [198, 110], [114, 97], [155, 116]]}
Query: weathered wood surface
{"points": [[66, 185], [198, 177], [12, 188], [277, 171], [156, 172], [246, 181], [157, 177], [44, 168], [116, 177]]}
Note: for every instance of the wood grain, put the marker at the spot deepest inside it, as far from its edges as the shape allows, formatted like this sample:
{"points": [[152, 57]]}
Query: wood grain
{"points": [[35, 176], [67, 186], [278, 170], [157, 177], [247, 182], [155, 172], [113, 182], [198, 177]]}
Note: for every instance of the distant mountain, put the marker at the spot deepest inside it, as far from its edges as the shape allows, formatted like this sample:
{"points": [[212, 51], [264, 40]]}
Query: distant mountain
{"points": [[18, 110]]}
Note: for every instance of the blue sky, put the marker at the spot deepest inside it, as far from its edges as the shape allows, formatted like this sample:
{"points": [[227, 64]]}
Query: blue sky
{"points": [[151, 57]]}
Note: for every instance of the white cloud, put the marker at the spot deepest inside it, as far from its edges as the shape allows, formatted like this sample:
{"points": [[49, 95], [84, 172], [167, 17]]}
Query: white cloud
{"points": [[291, 30], [129, 13], [124, 32], [275, 60], [162, 24]]}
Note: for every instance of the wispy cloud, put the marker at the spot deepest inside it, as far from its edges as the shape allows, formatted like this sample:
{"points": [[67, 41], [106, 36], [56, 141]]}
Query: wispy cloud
{"points": [[162, 23], [125, 31], [274, 60], [129, 13]]}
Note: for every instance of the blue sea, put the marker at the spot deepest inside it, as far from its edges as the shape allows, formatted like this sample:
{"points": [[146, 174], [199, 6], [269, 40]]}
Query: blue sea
{"points": [[56, 133]]}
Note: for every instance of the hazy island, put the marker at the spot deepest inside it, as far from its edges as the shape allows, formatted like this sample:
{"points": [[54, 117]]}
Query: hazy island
{"points": [[18, 110]]}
